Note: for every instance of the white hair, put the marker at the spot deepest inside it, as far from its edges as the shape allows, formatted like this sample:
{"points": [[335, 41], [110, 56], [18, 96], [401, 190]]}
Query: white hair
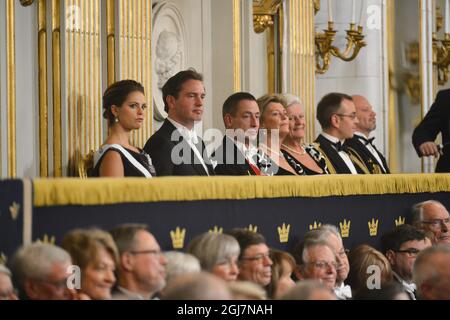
{"points": [[179, 263], [417, 210], [35, 261], [291, 99]]}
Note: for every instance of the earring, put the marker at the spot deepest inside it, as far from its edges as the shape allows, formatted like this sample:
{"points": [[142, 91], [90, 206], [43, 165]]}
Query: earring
{"points": [[116, 119]]}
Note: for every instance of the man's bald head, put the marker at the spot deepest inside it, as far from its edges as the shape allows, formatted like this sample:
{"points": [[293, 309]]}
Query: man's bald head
{"points": [[365, 114]]}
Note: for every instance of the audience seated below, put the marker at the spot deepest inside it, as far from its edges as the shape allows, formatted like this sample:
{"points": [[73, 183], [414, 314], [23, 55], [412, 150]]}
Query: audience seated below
{"points": [[236, 264]]}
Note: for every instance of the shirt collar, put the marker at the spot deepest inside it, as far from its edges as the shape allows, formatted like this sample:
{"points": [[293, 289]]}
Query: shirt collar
{"points": [[332, 138], [189, 134]]}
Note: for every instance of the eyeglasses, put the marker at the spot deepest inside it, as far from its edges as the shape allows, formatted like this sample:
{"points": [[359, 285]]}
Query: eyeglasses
{"points": [[155, 252], [258, 257], [351, 116], [410, 251], [436, 223], [61, 284], [324, 264]]}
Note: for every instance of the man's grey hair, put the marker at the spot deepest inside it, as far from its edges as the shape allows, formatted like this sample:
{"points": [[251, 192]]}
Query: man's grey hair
{"points": [[35, 261], [322, 233], [179, 263], [304, 249], [5, 270], [291, 99], [213, 248], [124, 235], [417, 210], [425, 270], [304, 289]]}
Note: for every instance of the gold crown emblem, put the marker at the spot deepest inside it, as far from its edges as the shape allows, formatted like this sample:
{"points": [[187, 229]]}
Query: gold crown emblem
{"points": [[345, 228], [314, 226], [3, 258], [252, 228], [178, 238], [216, 229], [400, 221], [373, 227], [14, 210], [47, 239], [283, 232]]}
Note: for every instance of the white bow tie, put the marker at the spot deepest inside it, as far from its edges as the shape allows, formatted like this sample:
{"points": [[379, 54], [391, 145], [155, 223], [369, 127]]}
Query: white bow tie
{"points": [[343, 292], [191, 135], [410, 287]]}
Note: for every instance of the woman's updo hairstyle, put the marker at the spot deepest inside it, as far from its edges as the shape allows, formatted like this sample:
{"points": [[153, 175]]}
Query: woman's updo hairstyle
{"points": [[116, 94]]}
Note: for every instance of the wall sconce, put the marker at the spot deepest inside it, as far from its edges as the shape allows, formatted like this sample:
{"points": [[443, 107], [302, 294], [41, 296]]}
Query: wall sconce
{"points": [[324, 42]]}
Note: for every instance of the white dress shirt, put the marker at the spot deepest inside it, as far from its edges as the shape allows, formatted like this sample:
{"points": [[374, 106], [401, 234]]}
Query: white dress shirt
{"points": [[371, 149], [191, 137], [342, 154]]}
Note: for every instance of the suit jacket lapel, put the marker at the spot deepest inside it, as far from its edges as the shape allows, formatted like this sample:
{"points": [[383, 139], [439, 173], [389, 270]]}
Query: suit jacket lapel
{"points": [[332, 155]]}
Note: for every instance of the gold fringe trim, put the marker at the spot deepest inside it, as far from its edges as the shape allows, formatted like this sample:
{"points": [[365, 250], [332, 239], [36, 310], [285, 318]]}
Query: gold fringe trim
{"points": [[60, 192]]}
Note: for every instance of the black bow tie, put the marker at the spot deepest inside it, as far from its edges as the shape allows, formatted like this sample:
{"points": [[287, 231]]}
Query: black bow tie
{"points": [[340, 147], [366, 141]]}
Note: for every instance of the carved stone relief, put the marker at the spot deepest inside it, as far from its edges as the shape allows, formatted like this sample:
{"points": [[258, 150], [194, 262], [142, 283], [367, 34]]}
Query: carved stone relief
{"points": [[169, 50]]}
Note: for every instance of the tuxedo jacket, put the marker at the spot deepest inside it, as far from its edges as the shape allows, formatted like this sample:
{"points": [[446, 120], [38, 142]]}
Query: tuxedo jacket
{"points": [[334, 160], [369, 159], [436, 120], [230, 160], [168, 142]]}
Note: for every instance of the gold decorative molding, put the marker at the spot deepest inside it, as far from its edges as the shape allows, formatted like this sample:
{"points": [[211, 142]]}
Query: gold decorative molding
{"points": [[237, 45], [135, 47], [11, 86], [302, 59], [56, 80], [111, 41], [43, 80], [26, 3], [265, 12], [392, 108], [316, 6]]}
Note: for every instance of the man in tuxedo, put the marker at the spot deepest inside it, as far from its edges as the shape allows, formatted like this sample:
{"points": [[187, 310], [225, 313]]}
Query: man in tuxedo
{"points": [[336, 114], [237, 155], [361, 143], [436, 120], [175, 149], [433, 218], [401, 247]]}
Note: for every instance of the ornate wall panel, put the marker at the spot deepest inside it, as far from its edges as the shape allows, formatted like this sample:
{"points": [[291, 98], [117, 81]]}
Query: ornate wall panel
{"points": [[134, 53], [83, 78], [302, 58]]}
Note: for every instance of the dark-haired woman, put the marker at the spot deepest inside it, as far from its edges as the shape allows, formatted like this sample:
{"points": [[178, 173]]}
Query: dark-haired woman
{"points": [[125, 107]]}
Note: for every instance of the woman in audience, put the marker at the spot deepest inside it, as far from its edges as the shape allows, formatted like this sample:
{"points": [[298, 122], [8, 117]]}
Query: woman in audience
{"points": [[366, 262], [283, 264], [125, 108], [95, 253], [305, 159], [275, 125], [218, 253]]}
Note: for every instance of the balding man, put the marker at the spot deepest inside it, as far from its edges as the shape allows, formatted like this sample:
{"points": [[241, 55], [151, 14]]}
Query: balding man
{"points": [[432, 273], [361, 143], [433, 218]]}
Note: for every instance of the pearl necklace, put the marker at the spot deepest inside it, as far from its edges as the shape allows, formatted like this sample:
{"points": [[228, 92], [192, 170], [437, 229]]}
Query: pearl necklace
{"points": [[301, 153]]}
